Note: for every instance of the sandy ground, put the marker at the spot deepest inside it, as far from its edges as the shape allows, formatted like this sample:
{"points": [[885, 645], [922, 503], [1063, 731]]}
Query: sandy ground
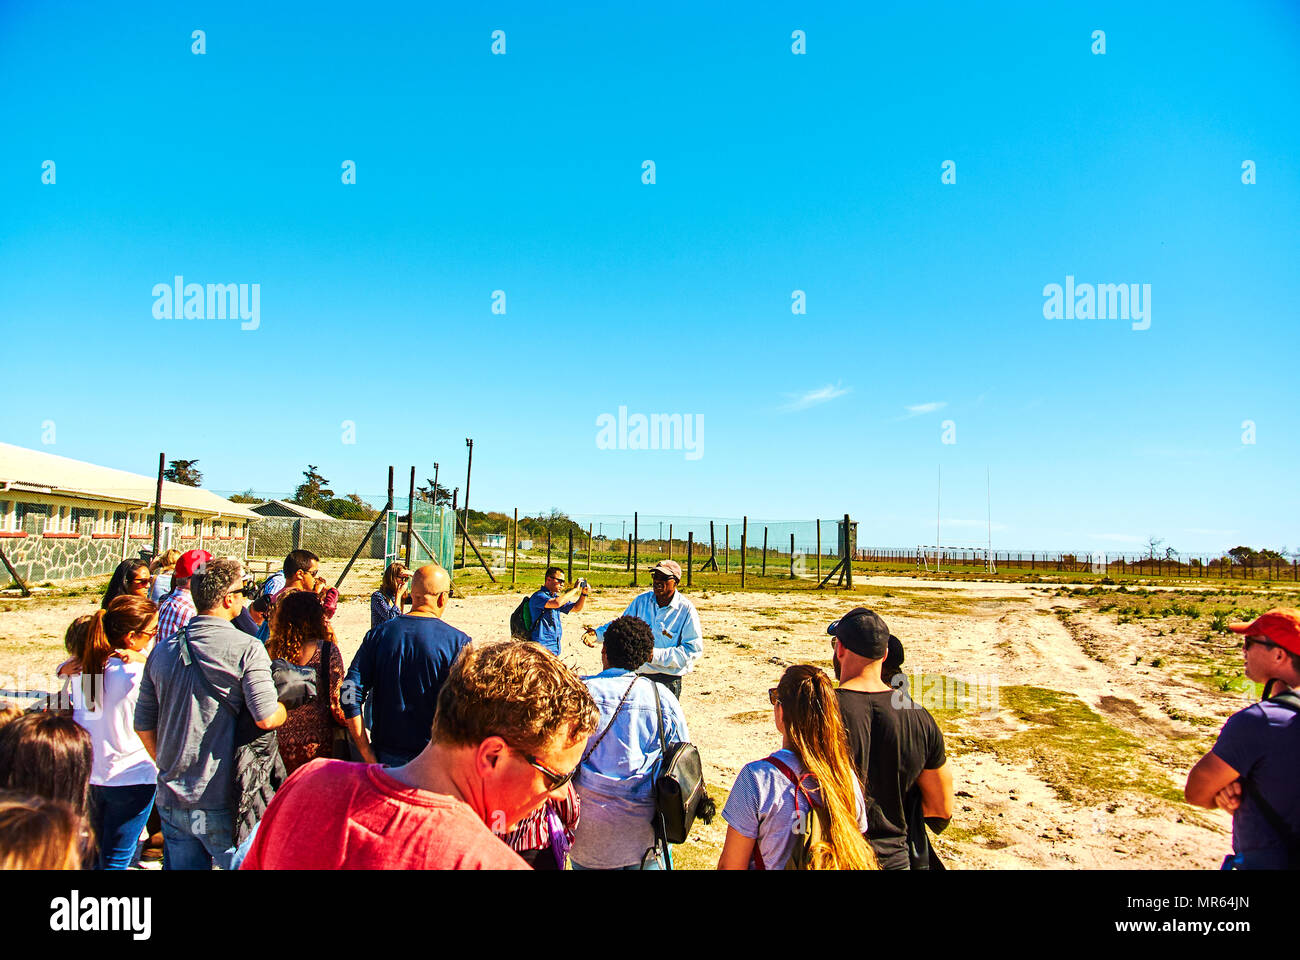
{"points": [[1018, 804]]}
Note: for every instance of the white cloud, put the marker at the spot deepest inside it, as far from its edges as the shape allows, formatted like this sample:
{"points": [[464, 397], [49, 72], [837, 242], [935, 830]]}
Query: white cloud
{"points": [[816, 397], [917, 409]]}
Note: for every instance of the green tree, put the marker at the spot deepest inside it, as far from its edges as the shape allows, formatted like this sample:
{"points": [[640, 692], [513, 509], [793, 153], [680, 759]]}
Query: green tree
{"points": [[313, 492], [184, 471], [246, 497]]}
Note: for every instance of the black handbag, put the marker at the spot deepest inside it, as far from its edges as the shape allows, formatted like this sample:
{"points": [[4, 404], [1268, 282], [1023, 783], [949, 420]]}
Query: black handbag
{"points": [[679, 786]]}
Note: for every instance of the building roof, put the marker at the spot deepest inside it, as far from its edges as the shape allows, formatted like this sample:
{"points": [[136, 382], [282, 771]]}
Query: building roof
{"points": [[34, 471], [297, 509]]}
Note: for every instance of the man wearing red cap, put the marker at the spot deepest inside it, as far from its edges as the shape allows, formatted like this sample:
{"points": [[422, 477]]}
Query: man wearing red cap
{"points": [[1251, 771], [178, 606]]}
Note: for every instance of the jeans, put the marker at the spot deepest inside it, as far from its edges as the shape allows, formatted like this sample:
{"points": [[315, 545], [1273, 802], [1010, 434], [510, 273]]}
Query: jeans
{"points": [[1271, 859], [196, 839], [117, 815], [668, 680]]}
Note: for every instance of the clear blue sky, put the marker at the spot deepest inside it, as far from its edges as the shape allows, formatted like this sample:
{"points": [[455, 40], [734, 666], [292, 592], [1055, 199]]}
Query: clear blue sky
{"points": [[775, 172]]}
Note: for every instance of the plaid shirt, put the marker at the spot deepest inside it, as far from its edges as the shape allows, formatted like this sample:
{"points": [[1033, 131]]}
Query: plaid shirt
{"points": [[532, 832], [174, 612]]}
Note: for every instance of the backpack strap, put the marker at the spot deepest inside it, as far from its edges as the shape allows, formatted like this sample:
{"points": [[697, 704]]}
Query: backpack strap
{"points": [[612, 717], [1289, 700], [796, 780], [187, 656]]}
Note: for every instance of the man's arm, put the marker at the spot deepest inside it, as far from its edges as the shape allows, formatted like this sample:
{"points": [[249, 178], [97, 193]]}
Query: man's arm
{"points": [[357, 683], [687, 650], [260, 694], [936, 792], [1210, 775], [150, 740]]}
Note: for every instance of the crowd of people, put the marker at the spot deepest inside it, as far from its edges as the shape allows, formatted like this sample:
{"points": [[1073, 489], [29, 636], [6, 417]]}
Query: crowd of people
{"points": [[224, 717]]}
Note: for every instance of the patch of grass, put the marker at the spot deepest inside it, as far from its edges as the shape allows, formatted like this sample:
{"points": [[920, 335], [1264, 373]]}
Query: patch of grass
{"points": [[751, 716]]}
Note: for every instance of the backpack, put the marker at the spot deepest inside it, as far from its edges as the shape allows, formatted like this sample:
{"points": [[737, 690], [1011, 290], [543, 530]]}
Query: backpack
{"points": [[1291, 701], [810, 831], [522, 623], [680, 794]]}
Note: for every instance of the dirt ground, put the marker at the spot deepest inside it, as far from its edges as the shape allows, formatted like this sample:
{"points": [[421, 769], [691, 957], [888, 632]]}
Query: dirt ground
{"points": [[1072, 755]]}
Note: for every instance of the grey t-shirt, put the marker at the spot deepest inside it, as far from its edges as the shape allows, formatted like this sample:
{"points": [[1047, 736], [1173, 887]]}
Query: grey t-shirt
{"points": [[196, 734]]}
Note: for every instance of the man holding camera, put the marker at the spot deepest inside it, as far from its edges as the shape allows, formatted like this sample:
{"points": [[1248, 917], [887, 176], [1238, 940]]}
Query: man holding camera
{"points": [[673, 621], [546, 605]]}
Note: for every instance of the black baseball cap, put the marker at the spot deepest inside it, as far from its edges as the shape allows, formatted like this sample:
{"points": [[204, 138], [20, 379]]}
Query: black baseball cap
{"points": [[863, 632]]}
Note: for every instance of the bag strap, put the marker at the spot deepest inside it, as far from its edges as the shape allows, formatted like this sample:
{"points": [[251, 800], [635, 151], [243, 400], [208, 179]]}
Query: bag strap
{"points": [[798, 780], [612, 717], [188, 656], [659, 709]]}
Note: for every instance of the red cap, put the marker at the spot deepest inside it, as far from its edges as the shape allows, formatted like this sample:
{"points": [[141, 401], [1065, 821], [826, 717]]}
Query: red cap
{"points": [[1281, 625], [192, 562]]}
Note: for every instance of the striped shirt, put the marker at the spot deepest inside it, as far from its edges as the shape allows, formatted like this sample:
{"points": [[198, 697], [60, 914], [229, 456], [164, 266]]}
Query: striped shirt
{"points": [[534, 833], [174, 612]]}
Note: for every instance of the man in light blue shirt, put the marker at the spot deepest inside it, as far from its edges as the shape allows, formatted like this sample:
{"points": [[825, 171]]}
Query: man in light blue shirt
{"points": [[674, 624], [615, 781]]}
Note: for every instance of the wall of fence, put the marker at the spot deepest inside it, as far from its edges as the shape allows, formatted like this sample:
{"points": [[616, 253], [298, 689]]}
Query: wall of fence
{"points": [[275, 537]]}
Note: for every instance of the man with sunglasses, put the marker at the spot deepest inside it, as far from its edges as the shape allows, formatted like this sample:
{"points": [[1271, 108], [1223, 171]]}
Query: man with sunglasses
{"points": [[674, 623], [546, 605], [509, 732], [1251, 771]]}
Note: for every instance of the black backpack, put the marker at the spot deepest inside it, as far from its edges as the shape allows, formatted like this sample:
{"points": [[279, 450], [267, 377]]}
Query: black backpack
{"points": [[521, 621], [680, 795]]}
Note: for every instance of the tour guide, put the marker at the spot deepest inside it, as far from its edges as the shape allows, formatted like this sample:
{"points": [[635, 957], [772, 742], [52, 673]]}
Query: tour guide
{"points": [[674, 623]]}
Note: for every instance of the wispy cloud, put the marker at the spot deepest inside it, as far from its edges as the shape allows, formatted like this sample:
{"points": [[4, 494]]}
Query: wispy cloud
{"points": [[918, 409], [816, 397]]}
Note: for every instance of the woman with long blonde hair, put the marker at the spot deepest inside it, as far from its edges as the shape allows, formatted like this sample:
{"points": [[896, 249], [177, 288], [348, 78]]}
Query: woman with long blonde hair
{"points": [[774, 802]]}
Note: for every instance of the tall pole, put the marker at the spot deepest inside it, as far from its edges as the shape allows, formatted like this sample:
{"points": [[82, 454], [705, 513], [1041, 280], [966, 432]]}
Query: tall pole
{"points": [[636, 559], [938, 536], [988, 489], [410, 521], [514, 564], [435, 484], [464, 530], [744, 545], [157, 505]]}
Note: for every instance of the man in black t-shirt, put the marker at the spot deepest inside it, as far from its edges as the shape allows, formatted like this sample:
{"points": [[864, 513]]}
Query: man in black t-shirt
{"points": [[896, 745]]}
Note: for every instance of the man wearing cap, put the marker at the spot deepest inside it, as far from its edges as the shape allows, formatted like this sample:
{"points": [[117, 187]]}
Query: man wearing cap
{"points": [[673, 621], [1251, 770], [178, 606], [896, 745]]}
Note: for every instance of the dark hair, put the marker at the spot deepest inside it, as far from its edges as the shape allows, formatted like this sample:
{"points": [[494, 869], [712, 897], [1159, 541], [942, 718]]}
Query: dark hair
{"points": [[629, 643], [393, 573], [48, 755], [553, 571], [121, 582], [298, 560], [297, 619], [207, 588], [261, 605], [37, 833]]}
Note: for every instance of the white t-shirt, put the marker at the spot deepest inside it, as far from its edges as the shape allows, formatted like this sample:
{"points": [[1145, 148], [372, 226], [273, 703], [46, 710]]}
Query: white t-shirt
{"points": [[120, 758], [762, 806]]}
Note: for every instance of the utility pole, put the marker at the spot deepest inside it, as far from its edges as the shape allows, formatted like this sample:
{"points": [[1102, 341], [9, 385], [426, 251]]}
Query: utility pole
{"points": [[464, 532], [938, 537], [435, 485]]}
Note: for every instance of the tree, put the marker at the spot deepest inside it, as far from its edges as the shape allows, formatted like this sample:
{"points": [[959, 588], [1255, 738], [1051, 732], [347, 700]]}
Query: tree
{"points": [[1241, 555], [183, 471], [1153, 543], [246, 497], [351, 507], [313, 491], [1171, 553]]}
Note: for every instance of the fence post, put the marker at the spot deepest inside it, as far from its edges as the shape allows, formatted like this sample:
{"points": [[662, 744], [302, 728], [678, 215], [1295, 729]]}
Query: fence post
{"points": [[629, 555], [670, 541], [726, 548], [410, 520], [744, 537], [792, 556], [764, 573], [570, 579], [819, 551], [636, 559], [548, 548], [589, 548], [848, 553], [514, 564], [690, 553]]}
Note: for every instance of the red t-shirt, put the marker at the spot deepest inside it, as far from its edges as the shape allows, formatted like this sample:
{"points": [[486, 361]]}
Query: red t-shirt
{"points": [[331, 814]]}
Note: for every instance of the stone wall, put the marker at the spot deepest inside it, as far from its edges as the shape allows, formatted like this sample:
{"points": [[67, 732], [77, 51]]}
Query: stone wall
{"points": [[275, 537], [39, 558]]}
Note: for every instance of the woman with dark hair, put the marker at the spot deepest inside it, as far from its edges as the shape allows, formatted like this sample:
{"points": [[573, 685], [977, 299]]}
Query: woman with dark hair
{"points": [[386, 602], [124, 776], [48, 755], [770, 808], [130, 578], [302, 639]]}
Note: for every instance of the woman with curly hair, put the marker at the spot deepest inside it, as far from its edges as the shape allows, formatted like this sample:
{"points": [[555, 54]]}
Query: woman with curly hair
{"points": [[772, 805], [302, 638]]}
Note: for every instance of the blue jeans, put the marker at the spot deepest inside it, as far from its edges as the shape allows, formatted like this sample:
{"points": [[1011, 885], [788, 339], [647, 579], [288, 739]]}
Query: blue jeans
{"points": [[196, 839], [117, 815]]}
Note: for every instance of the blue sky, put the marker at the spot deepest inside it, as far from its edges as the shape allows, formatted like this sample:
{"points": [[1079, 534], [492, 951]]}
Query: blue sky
{"points": [[774, 173]]}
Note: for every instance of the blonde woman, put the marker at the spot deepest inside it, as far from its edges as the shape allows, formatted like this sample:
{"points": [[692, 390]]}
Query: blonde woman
{"points": [[161, 568], [770, 805]]}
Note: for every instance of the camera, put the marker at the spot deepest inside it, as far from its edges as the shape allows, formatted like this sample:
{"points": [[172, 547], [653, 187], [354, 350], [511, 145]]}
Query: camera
{"points": [[249, 589]]}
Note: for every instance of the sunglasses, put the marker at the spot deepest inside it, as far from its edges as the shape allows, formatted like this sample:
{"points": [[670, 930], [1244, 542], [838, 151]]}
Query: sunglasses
{"points": [[140, 583], [771, 695], [553, 780], [1260, 641]]}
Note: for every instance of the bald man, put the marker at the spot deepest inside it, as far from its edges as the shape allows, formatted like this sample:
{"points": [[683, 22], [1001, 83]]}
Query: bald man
{"points": [[401, 667]]}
